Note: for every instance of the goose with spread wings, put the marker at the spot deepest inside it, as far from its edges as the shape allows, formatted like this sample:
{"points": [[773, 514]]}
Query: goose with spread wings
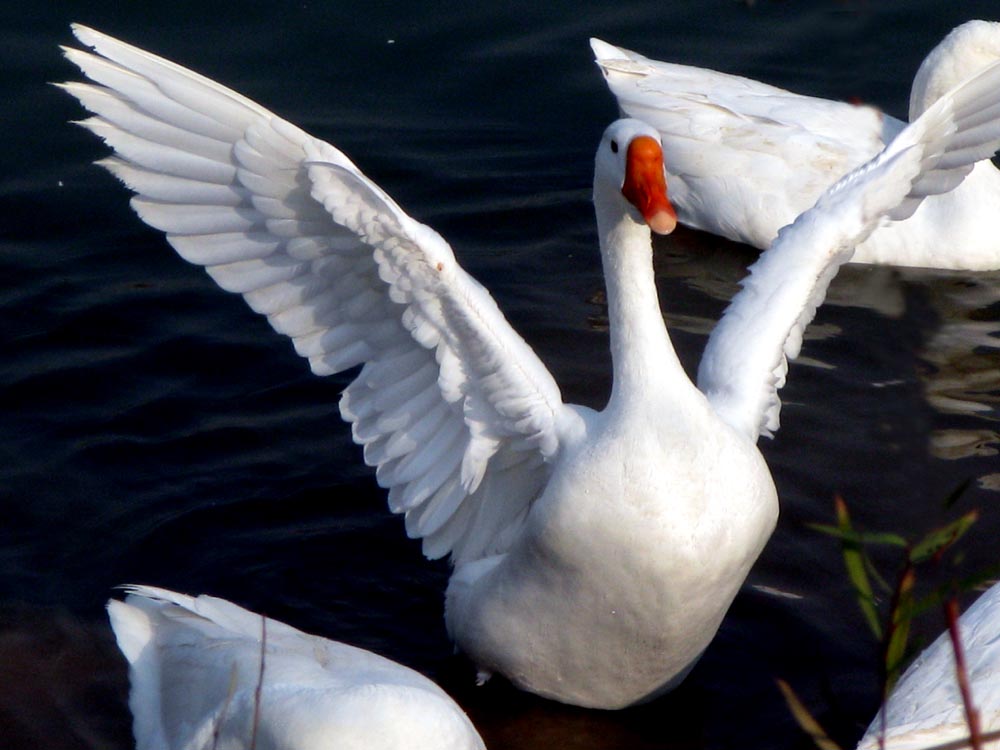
{"points": [[744, 158], [595, 553]]}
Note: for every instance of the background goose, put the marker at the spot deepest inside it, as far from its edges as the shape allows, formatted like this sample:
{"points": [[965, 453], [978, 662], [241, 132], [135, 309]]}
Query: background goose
{"points": [[595, 552], [925, 708], [197, 682], [745, 158]]}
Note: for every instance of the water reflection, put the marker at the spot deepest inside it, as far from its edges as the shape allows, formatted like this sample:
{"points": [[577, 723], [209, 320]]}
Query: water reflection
{"points": [[962, 373], [952, 317]]}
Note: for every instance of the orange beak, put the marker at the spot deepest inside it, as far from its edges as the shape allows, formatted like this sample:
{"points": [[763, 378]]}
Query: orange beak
{"points": [[645, 186]]}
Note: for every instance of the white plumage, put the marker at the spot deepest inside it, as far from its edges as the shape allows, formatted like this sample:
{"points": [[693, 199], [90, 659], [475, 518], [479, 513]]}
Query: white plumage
{"points": [[925, 708], [595, 552], [197, 683], [745, 158]]}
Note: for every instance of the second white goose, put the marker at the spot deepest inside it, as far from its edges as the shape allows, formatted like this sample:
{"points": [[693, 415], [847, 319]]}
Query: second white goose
{"points": [[745, 158], [206, 673]]}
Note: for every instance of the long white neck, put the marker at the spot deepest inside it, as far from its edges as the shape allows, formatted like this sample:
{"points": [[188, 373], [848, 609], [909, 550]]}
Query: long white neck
{"points": [[643, 358]]}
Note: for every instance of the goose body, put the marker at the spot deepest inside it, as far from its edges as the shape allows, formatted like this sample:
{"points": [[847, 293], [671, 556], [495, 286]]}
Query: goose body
{"points": [[595, 553], [197, 683], [745, 158], [925, 709]]}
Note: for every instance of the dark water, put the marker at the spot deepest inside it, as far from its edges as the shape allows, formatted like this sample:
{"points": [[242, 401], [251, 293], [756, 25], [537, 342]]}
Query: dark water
{"points": [[153, 430]]}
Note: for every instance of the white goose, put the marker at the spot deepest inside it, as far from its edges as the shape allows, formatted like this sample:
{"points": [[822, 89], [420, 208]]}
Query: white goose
{"points": [[925, 708], [197, 682], [745, 158], [595, 553]]}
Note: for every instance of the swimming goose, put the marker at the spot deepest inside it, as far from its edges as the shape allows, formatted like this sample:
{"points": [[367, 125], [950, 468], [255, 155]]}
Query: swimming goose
{"points": [[197, 682], [745, 158], [925, 709], [595, 553]]}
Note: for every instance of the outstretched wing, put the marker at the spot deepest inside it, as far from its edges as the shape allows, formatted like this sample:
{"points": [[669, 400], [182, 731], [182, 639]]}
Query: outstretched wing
{"points": [[746, 357], [454, 409], [745, 158]]}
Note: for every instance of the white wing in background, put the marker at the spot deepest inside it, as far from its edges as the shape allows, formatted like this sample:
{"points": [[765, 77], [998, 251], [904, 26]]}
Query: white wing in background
{"points": [[743, 157], [746, 358], [451, 404]]}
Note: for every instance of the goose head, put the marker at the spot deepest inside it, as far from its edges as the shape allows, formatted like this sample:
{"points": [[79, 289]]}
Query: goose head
{"points": [[629, 177], [966, 50]]}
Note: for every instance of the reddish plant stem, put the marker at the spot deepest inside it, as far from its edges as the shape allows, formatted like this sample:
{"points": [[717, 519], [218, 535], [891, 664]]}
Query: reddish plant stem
{"points": [[962, 674]]}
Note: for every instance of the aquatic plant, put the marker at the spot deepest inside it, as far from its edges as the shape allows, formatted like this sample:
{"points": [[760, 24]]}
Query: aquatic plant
{"points": [[936, 549]]}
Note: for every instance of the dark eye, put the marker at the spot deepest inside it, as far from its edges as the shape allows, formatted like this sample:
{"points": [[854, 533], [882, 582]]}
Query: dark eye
{"points": [[614, 147]]}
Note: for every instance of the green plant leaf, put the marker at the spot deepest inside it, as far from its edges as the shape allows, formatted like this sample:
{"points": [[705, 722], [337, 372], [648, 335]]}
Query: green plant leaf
{"points": [[857, 564], [980, 579], [805, 719], [939, 540], [852, 536], [876, 576], [900, 619]]}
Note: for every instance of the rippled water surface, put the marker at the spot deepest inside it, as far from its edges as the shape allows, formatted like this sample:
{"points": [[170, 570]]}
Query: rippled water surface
{"points": [[154, 430]]}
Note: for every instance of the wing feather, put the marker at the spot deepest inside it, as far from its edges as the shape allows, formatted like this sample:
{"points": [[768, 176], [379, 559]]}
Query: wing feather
{"points": [[157, 157], [771, 151], [448, 392], [164, 187], [747, 355], [243, 276]]}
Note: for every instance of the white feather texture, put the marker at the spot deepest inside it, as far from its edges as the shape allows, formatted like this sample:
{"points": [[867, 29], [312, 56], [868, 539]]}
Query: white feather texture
{"points": [[449, 393], [745, 359], [925, 708], [596, 553], [745, 158], [198, 683]]}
